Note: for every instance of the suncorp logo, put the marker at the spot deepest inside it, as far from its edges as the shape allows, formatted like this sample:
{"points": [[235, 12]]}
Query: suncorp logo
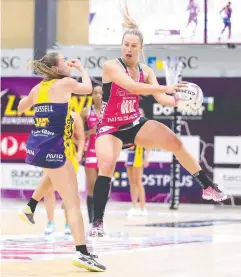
{"points": [[92, 62], [27, 173], [10, 62]]}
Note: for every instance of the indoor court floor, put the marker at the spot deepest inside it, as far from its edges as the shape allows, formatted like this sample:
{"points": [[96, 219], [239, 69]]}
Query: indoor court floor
{"points": [[195, 241]]}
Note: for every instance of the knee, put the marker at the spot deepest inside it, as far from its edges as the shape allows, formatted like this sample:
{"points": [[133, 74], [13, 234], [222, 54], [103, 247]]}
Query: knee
{"points": [[175, 144], [138, 183], [91, 188], [50, 194], [51, 191], [72, 204], [106, 168]]}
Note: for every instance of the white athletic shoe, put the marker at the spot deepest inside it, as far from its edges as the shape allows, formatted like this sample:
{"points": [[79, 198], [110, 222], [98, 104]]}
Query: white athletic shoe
{"points": [[97, 229], [50, 229], [134, 212], [67, 231], [144, 212]]}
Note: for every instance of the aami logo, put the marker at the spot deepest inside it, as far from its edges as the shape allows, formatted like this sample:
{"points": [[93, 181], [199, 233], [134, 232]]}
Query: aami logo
{"points": [[41, 122], [128, 106], [55, 156]]}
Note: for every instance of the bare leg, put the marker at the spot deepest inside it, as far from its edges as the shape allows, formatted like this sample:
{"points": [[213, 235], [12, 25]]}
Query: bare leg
{"points": [[189, 21], [223, 29], [91, 176], [133, 188], [137, 174], [156, 135], [195, 28], [27, 212], [42, 189], [65, 182], [49, 202], [229, 31], [66, 216], [107, 157]]}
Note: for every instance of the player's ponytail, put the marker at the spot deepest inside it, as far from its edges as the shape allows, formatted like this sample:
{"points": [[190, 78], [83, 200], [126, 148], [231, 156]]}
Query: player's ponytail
{"points": [[129, 24], [44, 66]]}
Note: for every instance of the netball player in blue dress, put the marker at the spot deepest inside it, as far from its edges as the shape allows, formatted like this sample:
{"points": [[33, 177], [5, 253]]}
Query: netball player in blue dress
{"points": [[49, 143]]}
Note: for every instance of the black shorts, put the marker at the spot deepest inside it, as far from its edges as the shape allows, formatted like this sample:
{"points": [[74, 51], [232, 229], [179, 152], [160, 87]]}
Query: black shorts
{"points": [[128, 135]]}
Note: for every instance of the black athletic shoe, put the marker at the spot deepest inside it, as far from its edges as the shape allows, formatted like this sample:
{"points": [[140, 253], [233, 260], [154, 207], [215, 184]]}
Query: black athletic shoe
{"points": [[88, 262]]}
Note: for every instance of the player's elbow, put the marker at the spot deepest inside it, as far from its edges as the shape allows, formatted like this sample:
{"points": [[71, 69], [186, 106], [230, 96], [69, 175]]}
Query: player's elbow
{"points": [[89, 89], [84, 89], [21, 108]]}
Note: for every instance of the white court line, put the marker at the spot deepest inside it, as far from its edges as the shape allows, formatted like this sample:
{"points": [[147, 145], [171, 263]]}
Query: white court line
{"points": [[191, 214]]}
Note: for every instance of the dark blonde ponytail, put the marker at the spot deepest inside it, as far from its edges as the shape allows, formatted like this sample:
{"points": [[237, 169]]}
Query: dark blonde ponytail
{"points": [[131, 27], [44, 66]]}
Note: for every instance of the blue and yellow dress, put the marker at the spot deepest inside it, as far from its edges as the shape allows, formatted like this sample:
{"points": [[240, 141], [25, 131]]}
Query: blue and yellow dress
{"points": [[72, 151], [50, 142], [135, 156]]}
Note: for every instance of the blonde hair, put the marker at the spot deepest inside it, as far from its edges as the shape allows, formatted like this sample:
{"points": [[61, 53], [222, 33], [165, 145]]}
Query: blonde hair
{"points": [[131, 27], [43, 67]]}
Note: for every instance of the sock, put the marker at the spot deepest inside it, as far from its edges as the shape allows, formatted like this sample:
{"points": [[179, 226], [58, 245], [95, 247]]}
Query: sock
{"points": [[101, 193], [32, 204], [90, 207], [203, 179], [82, 249]]}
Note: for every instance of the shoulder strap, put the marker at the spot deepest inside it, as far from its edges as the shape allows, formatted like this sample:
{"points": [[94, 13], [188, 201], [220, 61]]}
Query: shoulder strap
{"points": [[139, 67], [122, 63], [43, 92], [125, 67]]}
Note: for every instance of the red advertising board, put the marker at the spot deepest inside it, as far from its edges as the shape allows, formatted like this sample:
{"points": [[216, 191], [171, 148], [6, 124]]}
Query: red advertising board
{"points": [[13, 146]]}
